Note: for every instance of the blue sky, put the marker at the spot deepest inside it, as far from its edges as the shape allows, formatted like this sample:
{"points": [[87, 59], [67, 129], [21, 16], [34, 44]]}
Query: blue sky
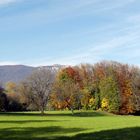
{"points": [[46, 32]]}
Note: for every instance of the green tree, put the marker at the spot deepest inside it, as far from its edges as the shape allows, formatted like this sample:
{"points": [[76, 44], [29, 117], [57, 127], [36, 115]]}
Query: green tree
{"points": [[109, 91], [3, 100]]}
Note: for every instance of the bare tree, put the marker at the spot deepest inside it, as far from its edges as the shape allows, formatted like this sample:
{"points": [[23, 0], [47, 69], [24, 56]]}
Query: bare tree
{"points": [[38, 88]]}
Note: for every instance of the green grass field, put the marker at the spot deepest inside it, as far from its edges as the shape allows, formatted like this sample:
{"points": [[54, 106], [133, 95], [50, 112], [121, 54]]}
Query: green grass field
{"points": [[61, 125]]}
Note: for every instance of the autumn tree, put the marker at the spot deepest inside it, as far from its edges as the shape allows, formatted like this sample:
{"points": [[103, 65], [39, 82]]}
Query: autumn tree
{"points": [[13, 96], [136, 89], [86, 74], [124, 78], [67, 95], [67, 89]]}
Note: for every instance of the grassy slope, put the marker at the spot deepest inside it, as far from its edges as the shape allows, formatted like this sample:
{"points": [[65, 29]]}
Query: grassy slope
{"points": [[62, 125]]}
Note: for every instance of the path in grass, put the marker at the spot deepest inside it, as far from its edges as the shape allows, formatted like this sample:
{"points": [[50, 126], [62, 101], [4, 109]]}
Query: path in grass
{"points": [[63, 126]]}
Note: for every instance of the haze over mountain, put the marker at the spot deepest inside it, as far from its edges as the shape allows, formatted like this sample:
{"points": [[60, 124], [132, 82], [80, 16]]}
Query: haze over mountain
{"points": [[17, 73]]}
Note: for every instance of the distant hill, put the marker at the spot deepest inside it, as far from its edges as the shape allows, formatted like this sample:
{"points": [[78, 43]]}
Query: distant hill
{"points": [[17, 73]]}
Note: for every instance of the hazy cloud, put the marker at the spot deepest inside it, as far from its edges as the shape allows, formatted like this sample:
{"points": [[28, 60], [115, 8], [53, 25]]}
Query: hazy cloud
{"points": [[8, 63], [3, 2]]}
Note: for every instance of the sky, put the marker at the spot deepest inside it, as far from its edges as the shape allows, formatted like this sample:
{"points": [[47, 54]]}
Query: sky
{"points": [[69, 32]]}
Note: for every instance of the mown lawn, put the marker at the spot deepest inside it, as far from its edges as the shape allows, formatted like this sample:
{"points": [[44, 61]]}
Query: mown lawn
{"points": [[61, 125]]}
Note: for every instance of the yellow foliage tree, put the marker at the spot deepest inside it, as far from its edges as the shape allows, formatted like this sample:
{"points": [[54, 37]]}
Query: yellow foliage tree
{"points": [[104, 104], [91, 102]]}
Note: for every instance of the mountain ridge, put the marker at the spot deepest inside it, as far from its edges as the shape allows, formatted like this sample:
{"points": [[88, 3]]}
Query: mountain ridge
{"points": [[17, 73]]}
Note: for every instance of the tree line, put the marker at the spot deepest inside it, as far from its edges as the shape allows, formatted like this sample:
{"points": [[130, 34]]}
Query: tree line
{"points": [[107, 85]]}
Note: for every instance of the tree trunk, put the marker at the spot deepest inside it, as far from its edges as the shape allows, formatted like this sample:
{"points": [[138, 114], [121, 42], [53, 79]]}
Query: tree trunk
{"points": [[42, 111], [72, 111]]}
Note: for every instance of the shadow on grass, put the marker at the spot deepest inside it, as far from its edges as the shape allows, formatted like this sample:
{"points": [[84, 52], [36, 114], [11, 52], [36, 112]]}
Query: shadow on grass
{"points": [[28, 121], [31, 133], [116, 134], [89, 114], [20, 114], [63, 114], [52, 133]]}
